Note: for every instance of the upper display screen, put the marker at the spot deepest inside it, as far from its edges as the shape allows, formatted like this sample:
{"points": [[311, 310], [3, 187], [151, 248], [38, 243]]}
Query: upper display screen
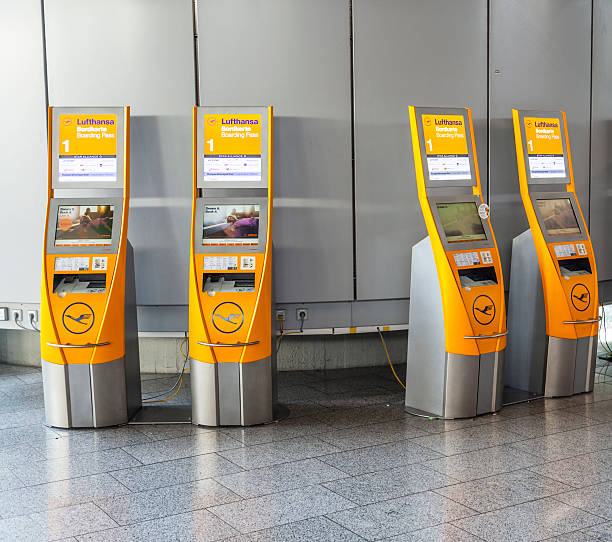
{"points": [[84, 225], [461, 222], [230, 224], [558, 216], [544, 148], [87, 148], [446, 147], [232, 147]]}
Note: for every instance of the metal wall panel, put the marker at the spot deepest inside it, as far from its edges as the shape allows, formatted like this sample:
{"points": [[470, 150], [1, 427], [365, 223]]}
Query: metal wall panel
{"points": [[406, 53], [138, 53], [540, 58], [23, 149], [601, 140], [295, 56]]}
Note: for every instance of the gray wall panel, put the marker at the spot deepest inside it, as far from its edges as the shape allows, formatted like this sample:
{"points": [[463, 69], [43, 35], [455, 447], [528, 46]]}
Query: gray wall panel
{"points": [[23, 150], [404, 54], [294, 55], [601, 140], [145, 59], [540, 58]]}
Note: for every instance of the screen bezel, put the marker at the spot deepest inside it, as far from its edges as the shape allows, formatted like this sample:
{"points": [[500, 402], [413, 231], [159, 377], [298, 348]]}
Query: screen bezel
{"points": [[199, 248], [56, 112], [420, 111], [544, 114], [54, 205], [460, 246], [205, 110], [566, 237]]}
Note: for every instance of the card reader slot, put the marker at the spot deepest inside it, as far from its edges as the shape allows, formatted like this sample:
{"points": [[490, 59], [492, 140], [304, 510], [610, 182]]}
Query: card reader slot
{"points": [[79, 283], [228, 282], [477, 276], [575, 266]]}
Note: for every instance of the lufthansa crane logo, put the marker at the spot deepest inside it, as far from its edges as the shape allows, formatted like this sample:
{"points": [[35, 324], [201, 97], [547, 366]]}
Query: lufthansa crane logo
{"points": [[228, 317], [78, 318], [483, 309], [67, 121], [581, 297], [211, 121]]}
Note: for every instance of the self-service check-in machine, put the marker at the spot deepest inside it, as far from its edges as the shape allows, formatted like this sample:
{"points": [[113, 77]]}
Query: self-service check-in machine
{"points": [[457, 331], [88, 326], [553, 301], [230, 287]]}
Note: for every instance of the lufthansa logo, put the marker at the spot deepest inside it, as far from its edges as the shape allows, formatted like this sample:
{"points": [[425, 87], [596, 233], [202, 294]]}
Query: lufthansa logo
{"points": [[211, 121], [483, 309], [78, 318], [581, 297], [427, 122], [228, 317], [67, 121]]}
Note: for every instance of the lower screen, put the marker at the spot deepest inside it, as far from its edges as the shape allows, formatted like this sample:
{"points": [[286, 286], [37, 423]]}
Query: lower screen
{"points": [[558, 216], [230, 224], [84, 225], [461, 222]]}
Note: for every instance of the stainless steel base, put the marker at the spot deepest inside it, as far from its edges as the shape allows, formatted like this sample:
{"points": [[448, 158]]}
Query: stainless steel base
{"points": [[231, 393]]}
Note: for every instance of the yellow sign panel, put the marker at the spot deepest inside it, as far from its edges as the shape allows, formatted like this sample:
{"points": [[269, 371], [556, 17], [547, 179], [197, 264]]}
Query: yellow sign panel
{"points": [[544, 147], [446, 147], [87, 148], [232, 147]]}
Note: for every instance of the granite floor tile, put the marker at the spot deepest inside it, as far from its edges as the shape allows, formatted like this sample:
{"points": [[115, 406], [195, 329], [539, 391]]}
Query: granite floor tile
{"points": [[27, 500], [280, 508], [319, 529], [528, 522], [25, 435], [595, 499], [52, 470], [580, 471], [283, 430], [31, 378], [176, 448], [21, 418], [200, 525], [483, 463], [165, 432], [599, 410], [17, 455], [564, 445], [389, 484], [343, 418], [378, 458], [19, 404], [598, 533], [467, 440], [546, 423], [8, 480], [371, 396], [439, 533], [397, 516], [165, 501], [178, 471], [258, 482], [274, 453], [502, 490]]}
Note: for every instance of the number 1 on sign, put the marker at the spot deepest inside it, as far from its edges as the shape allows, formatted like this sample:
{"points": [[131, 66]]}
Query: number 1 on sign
{"points": [[430, 145], [530, 143], [210, 144], [66, 144]]}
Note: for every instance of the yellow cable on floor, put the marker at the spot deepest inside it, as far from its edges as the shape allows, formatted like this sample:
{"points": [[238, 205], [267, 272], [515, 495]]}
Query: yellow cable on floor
{"points": [[389, 359], [181, 380]]}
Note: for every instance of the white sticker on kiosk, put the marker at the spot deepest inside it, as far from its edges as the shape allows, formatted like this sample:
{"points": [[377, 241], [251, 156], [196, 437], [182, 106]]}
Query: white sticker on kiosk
{"points": [[99, 263], [483, 211], [463, 259], [581, 249], [72, 264], [247, 262], [565, 251], [220, 263], [486, 257]]}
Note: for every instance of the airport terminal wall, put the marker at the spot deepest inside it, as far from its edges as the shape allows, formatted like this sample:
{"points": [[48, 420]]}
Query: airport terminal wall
{"points": [[340, 75]]}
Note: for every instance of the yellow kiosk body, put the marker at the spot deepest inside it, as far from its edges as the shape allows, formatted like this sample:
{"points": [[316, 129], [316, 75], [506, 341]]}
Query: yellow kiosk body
{"points": [[457, 331], [230, 282], [88, 326], [553, 302]]}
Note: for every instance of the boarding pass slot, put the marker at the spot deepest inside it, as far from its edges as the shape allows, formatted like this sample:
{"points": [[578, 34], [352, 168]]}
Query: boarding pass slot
{"points": [[575, 267], [477, 276], [228, 282], [82, 283]]}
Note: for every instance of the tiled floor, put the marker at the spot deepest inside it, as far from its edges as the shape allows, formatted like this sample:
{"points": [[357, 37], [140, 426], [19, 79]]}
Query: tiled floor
{"points": [[347, 465]]}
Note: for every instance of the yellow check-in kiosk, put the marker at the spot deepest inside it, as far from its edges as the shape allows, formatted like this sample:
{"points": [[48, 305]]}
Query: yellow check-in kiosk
{"points": [[88, 325], [230, 283], [457, 329], [553, 300]]}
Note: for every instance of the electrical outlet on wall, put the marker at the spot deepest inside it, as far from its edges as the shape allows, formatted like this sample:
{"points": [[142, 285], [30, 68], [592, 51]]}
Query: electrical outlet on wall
{"points": [[17, 315], [301, 314], [32, 316]]}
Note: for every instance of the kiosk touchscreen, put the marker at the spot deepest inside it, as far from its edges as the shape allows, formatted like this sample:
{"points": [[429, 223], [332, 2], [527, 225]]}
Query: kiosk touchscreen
{"points": [[553, 302], [457, 331], [89, 332], [230, 289]]}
